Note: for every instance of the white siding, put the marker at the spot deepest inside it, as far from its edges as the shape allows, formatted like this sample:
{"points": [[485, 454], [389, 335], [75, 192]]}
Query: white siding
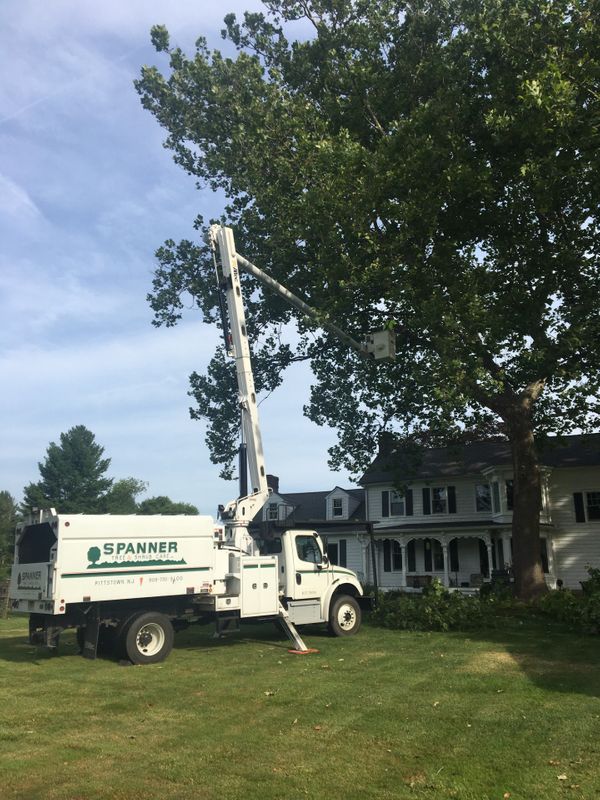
{"points": [[576, 545], [465, 502], [354, 550]]}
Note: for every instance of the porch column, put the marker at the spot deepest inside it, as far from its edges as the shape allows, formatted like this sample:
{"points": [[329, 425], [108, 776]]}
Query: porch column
{"points": [[364, 546], [446, 564], [488, 544], [403, 552]]}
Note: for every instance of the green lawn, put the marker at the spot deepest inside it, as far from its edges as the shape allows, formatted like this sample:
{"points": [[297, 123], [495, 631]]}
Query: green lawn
{"points": [[382, 715]]}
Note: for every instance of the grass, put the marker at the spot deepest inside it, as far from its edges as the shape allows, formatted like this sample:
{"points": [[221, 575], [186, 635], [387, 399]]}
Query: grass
{"points": [[381, 715]]}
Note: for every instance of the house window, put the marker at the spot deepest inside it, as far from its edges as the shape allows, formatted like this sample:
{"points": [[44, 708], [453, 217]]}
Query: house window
{"points": [[593, 505], [394, 504], [336, 552], [439, 500], [392, 556], [272, 511], [338, 509], [483, 497]]}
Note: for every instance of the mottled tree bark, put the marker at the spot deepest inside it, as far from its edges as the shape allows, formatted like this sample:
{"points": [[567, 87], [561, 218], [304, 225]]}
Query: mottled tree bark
{"points": [[527, 564]]}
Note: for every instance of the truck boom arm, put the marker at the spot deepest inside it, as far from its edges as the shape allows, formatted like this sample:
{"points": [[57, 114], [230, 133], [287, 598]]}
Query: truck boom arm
{"points": [[240, 512]]}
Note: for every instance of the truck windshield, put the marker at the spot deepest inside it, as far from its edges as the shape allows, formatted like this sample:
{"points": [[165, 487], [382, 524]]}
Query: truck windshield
{"points": [[308, 549]]}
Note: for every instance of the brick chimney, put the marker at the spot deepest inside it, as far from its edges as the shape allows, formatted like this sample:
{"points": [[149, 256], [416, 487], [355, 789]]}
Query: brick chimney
{"points": [[273, 483], [386, 442]]}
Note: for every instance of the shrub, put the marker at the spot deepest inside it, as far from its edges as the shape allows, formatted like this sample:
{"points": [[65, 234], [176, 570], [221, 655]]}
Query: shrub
{"points": [[435, 610], [578, 611], [562, 606]]}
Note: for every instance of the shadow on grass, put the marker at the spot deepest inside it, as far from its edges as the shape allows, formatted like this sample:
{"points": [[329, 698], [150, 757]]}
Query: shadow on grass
{"points": [[18, 649], [550, 656]]}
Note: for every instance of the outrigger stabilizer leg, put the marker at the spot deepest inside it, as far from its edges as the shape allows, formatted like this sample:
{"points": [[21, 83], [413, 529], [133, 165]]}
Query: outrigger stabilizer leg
{"points": [[290, 630]]}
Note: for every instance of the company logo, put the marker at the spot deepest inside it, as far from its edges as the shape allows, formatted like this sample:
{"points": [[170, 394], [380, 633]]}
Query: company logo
{"points": [[30, 580], [139, 554]]}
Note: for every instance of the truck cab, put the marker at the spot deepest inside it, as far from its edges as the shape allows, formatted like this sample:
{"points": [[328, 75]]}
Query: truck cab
{"points": [[311, 586]]}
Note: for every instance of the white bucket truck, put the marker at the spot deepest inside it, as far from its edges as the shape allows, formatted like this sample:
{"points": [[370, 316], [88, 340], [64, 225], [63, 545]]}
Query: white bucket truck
{"points": [[132, 580]]}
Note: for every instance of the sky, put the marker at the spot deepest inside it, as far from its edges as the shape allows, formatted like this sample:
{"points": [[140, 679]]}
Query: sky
{"points": [[87, 194]]}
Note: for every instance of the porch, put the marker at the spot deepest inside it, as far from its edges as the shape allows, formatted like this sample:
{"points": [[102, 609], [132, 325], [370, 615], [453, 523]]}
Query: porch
{"points": [[461, 559]]}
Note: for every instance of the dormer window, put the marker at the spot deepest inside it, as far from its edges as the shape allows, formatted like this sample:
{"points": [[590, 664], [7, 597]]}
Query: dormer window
{"points": [[338, 507], [272, 512]]}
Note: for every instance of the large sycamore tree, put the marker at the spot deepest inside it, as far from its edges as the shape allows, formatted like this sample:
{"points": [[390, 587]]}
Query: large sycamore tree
{"points": [[432, 166]]}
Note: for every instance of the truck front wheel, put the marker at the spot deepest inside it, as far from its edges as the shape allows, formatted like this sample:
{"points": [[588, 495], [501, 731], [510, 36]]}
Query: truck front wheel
{"points": [[344, 616], [148, 638]]}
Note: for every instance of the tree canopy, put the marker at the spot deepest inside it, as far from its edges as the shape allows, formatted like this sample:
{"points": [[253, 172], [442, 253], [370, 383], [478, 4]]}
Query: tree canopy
{"points": [[121, 497], [74, 481], [428, 165], [73, 475], [8, 521], [164, 505]]}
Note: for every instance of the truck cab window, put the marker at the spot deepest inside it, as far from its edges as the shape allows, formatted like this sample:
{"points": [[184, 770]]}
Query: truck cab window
{"points": [[308, 549]]}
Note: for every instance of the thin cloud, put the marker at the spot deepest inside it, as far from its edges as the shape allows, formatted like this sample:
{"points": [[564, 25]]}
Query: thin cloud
{"points": [[16, 203]]}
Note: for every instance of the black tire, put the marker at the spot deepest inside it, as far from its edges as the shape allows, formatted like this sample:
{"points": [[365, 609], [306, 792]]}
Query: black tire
{"points": [[148, 638], [344, 616]]}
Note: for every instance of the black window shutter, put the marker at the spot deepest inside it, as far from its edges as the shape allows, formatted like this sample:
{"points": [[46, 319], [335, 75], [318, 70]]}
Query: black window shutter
{"points": [[409, 503], [453, 552], [428, 562], [385, 504], [342, 552], [451, 500], [426, 501], [579, 509], [544, 555], [387, 556], [411, 557]]}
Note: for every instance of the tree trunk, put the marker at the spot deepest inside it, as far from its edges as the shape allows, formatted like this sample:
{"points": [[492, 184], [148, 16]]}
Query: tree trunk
{"points": [[527, 564]]}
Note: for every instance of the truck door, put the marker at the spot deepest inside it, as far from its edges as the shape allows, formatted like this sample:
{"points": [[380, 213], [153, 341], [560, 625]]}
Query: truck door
{"points": [[310, 575]]}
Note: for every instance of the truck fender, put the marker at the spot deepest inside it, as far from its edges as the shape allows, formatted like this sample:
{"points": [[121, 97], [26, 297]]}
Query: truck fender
{"points": [[340, 587]]}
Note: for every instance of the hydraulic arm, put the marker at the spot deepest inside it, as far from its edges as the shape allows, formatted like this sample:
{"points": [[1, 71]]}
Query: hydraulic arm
{"points": [[240, 512]]}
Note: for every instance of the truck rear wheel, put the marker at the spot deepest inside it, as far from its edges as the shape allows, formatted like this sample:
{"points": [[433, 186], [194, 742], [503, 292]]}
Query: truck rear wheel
{"points": [[344, 616], [148, 638]]}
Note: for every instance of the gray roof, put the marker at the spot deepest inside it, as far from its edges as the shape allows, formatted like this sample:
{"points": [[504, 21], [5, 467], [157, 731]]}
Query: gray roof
{"points": [[464, 459], [311, 506]]}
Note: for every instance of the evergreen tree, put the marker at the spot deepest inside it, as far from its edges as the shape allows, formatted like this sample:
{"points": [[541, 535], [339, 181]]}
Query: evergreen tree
{"points": [[8, 520], [73, 478]]}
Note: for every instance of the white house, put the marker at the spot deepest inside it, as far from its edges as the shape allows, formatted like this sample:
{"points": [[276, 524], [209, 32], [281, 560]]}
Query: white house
{"points": [[451, 518], [337, 515], [447, 513]]}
